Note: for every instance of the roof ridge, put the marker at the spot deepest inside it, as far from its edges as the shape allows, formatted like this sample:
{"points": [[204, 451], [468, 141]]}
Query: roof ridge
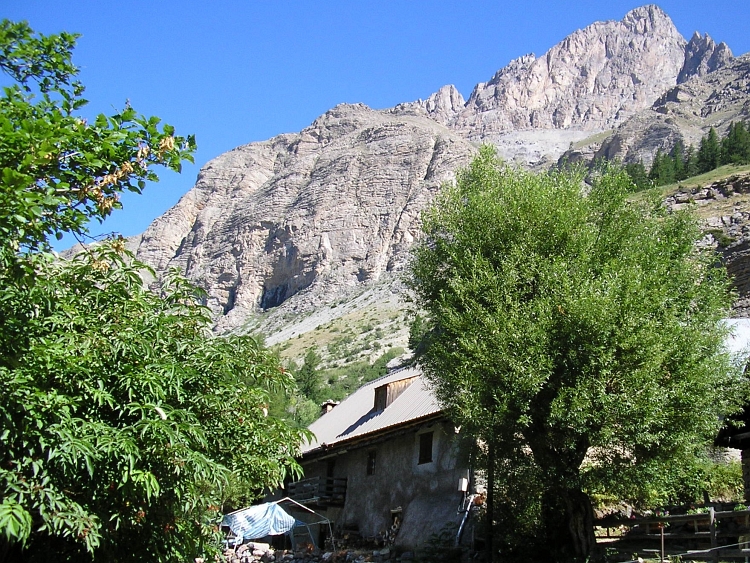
{"points": [[390, 374]]}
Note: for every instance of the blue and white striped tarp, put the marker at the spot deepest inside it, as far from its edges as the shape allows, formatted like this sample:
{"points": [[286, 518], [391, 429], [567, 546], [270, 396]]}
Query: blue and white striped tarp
{"points": [[259, 521]]}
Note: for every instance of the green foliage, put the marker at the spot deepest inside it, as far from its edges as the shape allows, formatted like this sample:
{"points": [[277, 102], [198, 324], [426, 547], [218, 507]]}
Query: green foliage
{"points": [[735, 147], [58, 170], [654, 484], [691, 163], [638, 175], [682, 163], [316, 384], [722, 239], [709, 152], [565, 324], [662, 169], [416, 331], [343, 381], [307, 376], [677, 154], [125, 425], [440, 547], [673, 167]]}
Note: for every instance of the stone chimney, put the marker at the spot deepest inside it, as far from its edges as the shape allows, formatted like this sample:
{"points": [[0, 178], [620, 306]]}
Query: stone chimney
{"points": [[327, 406]]}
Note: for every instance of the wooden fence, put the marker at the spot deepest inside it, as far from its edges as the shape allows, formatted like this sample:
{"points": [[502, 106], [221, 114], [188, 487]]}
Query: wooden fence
{"points": [[710, 535]]}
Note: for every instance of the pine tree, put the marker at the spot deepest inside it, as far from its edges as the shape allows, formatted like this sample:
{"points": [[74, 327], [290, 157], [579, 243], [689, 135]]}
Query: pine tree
{"points": [[709, 152], [691, 162], [653, 172], [638, 175], [662, 169], [678, 160], [735, 147], [308, 376]]}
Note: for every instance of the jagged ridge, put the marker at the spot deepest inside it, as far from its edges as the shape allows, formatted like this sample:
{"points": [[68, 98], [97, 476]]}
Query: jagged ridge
{"points": [[293, 222]]}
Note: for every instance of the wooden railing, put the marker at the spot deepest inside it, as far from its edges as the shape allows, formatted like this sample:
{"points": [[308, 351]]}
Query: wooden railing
{"points": [[708, 535], [319, 491]]}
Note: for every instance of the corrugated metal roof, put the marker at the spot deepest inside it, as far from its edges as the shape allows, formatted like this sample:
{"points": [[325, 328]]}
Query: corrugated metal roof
{"points": [[355, 416]]}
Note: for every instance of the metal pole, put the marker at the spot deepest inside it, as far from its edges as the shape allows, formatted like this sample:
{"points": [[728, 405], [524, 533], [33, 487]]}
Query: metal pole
{"points": [[661, 527]]}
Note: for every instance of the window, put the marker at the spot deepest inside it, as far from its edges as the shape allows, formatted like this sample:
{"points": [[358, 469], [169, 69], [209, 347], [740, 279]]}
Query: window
{"points": [[371, 463], [425, 448]]}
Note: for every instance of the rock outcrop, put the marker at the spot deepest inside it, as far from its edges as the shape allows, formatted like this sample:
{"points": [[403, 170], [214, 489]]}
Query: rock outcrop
{"points": [[684, 112], [293, 222], [703, 56], [592, 80], [331, 207], [726, 213]]}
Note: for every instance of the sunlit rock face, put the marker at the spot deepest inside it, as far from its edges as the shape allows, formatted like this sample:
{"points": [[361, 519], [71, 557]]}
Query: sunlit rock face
{"points": [[334, 206], [295, 222], [593, 79]]}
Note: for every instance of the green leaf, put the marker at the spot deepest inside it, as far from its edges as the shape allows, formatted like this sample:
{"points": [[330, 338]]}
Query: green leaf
{"points": [[15, 521]]}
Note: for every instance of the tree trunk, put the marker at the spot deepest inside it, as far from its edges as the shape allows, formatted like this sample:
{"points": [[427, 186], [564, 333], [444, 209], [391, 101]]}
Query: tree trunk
{"points": [[490, 502], [568, 521], [580, 517]]}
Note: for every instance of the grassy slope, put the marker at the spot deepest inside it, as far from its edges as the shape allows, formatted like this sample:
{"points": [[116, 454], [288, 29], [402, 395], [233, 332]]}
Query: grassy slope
{"points": [[721, 173]]}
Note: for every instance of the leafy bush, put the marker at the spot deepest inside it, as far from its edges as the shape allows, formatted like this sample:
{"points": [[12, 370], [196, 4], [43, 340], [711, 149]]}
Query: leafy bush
{"points": [[124, 425]]}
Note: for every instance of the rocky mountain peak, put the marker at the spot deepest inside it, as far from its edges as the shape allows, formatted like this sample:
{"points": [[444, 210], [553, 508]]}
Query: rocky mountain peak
{"points": [[648, 19], [592, 80], [702, 56], [595, 79], [291, 224], [445, 104], [302, 215]]}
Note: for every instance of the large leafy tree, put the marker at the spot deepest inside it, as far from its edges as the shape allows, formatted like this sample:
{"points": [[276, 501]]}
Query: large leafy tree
{"points": [[571, 330], [125, 426]]}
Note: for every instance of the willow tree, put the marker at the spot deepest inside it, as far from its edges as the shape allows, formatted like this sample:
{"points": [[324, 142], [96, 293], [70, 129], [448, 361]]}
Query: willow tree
{"points": [[573, 328]]}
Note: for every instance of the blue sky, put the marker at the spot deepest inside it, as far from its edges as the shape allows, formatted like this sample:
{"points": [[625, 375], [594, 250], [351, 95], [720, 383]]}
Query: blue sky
{"points": [[233, 72]]}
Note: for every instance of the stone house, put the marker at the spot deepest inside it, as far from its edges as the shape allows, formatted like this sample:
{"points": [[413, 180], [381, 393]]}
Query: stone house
{"points": [[385, 464]]}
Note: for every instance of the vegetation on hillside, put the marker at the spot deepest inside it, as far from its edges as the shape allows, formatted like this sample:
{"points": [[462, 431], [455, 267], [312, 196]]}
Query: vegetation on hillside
{"points": [[125, 426], [681, 163], [578, 337], [317, 384]]}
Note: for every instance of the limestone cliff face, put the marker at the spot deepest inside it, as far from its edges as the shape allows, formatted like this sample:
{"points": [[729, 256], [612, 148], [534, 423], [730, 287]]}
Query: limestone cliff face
{"points": [[684, 112], [702, 56], [593, 79], [331, 207], [294, 222]]}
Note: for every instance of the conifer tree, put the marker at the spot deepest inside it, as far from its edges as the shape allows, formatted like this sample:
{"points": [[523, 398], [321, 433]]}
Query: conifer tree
{"points": [[691, 162], [709, 152], [735, 147], [662, 169], [638, 174], [678, 160]]}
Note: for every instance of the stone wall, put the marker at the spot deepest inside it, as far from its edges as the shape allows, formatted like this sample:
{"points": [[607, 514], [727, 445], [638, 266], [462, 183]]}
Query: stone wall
{"points": [[423, 497]]}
